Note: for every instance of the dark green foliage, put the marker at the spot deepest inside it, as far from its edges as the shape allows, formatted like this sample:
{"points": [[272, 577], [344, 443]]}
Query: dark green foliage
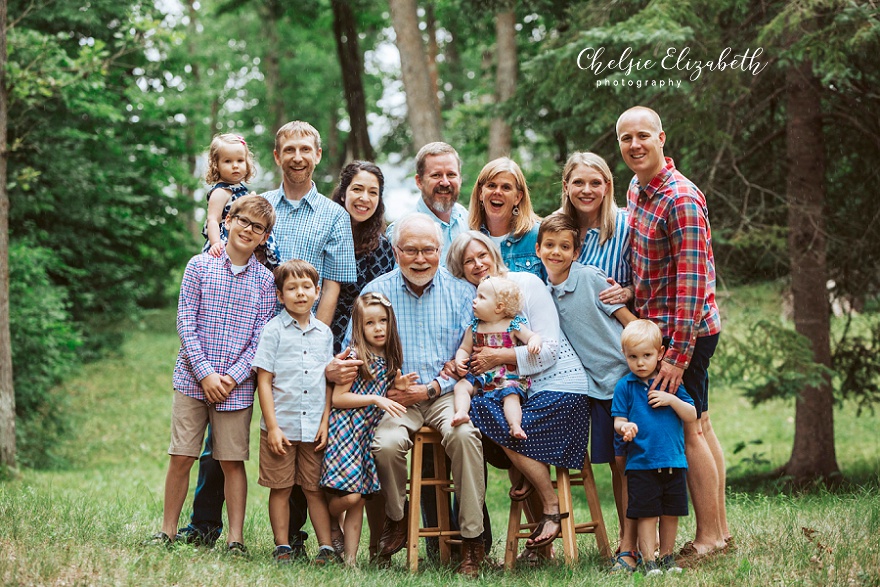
{"points": [[857, 363]]}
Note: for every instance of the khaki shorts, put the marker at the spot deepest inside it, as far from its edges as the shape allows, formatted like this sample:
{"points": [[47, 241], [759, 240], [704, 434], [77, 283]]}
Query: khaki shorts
{"points": [[230, 431], [300, 466]]}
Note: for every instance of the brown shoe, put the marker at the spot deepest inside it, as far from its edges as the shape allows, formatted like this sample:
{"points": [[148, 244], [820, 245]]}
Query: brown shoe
{"points": [[473, 551], [393, 536]]}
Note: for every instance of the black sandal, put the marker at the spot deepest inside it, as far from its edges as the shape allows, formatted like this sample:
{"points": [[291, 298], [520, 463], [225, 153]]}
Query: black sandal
{"points": [[539, 529]]}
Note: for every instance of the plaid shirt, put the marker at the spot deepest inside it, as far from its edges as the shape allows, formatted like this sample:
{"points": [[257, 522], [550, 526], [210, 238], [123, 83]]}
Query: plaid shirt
{"points": [[219, 319], [672, 261], [317, 230]]}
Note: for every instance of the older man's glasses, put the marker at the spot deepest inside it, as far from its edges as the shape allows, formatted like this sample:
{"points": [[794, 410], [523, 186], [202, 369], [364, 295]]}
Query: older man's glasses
{"points": [[413, 252], [243, 222]]}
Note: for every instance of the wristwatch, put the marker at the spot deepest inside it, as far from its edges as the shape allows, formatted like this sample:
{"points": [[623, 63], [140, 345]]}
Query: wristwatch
{"points": [[433, 392]]}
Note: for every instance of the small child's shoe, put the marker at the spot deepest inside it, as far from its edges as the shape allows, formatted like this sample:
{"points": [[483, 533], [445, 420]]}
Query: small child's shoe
{"points": [[236, 549], [652, 569], [667, 563], [327, 556]]}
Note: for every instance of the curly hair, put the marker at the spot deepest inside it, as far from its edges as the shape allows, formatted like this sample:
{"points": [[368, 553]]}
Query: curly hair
{"points": [[507, 294], [212, 175], [367, 233]]}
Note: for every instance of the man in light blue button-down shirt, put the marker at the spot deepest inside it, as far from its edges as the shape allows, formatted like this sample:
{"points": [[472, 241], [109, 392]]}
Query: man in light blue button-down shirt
{"points": [[433, 310]]}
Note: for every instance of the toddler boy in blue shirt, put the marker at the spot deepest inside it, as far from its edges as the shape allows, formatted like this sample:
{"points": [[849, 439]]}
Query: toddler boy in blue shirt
{"points": [[651, 425]]}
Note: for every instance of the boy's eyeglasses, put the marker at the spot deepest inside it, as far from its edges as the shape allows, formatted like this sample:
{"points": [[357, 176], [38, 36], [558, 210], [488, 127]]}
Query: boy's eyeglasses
{"points": [[244, 223], [377, 297]]}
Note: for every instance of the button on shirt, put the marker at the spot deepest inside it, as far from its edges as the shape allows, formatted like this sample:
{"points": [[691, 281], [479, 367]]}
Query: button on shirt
{"points": [[316, 230], [219, 318], [431, 326], [672, 261], [518, 252], [297, 357], [612, 256]]}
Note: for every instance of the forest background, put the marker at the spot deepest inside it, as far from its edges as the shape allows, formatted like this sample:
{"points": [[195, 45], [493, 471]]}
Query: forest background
{"points": [[107, 107]]}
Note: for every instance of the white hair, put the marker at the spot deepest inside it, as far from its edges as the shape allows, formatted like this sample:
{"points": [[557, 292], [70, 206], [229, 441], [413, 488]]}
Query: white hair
{"points": [[416, 218]]}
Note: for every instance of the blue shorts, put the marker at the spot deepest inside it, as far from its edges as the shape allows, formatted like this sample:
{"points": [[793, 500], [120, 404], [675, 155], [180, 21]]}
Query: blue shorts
{"points": [[696, 376], [605, 443], [656, 492]]}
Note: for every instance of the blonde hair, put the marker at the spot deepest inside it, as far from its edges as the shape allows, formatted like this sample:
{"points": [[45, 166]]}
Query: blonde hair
{"points": [[608, 208], [507, 294], [455, 256], [393, 348], [297, 128], [212, 175], [639, 331], [521, 223]]}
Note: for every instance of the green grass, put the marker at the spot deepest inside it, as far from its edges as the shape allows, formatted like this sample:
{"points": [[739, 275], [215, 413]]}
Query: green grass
{"points": [[84, 524]]}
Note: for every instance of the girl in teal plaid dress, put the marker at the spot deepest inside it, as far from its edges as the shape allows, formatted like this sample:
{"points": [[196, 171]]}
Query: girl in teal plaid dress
{"points": [[349, 471]]}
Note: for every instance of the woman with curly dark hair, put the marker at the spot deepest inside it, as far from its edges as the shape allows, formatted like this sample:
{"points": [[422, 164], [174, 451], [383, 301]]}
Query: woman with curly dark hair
{"points": [[360, 190]]}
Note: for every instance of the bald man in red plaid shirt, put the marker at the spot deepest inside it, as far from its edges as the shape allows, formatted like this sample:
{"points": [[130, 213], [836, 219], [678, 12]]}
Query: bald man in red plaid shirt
{"points": [[674, 279]]}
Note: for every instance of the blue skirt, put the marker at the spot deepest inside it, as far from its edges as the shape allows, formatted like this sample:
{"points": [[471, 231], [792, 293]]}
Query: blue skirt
{"points": [[557, 425]]}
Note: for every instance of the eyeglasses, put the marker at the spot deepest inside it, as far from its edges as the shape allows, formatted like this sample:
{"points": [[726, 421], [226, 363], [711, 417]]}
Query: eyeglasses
{"points": [[255, 227], [413, 252], [376, 297]]}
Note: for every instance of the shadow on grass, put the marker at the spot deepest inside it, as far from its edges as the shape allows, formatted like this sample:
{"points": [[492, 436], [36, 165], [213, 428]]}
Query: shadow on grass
{"points": [[859, 476]]}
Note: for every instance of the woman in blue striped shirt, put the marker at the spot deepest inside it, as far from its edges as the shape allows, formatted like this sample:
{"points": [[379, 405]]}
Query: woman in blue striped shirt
{"points": [[588, 198]]}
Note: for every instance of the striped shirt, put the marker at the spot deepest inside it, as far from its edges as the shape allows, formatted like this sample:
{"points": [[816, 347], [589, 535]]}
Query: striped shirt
{"points": [[672, 260], [613, 256], [314, 229], [431, 326], [219, 319]]}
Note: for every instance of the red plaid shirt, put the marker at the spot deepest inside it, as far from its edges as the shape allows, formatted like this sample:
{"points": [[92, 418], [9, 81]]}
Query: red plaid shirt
{"points": [[672, 261]]}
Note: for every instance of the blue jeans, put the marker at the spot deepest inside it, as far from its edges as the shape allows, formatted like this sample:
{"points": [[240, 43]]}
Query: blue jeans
{"points": [[207, 516]]}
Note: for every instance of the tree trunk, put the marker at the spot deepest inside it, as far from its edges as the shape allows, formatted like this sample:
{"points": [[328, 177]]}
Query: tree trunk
{"points": [[351, 63], [500, 132], [7, 391], [433, 50], [272, 11], [190, 158], [813, 455], [424, 118]]}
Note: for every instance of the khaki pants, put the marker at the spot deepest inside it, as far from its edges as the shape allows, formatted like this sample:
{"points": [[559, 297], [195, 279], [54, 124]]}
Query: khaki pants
{"points": [[462, 444]]}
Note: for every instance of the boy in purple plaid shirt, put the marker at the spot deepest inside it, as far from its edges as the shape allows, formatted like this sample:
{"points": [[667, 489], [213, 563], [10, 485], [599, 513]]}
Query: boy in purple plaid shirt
{"points": [[224, 303]]}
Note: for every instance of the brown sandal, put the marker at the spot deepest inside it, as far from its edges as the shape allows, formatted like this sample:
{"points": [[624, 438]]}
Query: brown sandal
{"points": [[539, 529]]}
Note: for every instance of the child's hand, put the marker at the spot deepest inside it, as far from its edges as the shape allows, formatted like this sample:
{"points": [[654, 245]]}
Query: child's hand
{"points": [[390, 406], [629, 431], [217, 249], [534, 345], [402, 382], [277, 441], [228, 383], [657, 398], [215, 390], [461, 367], [321, 436]]}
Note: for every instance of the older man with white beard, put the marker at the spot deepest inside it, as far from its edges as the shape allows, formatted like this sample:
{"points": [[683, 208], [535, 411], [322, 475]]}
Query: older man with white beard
{"points": [[433, 309]]}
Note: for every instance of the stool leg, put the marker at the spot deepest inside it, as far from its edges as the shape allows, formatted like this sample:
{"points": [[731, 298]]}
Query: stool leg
{"points": [[513, 529], [569, 538], [415, 497], [442, 497], [595, 509]]}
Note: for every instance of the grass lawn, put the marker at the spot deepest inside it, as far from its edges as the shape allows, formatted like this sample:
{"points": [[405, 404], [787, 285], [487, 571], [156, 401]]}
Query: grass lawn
{"points": [[84, 525]]}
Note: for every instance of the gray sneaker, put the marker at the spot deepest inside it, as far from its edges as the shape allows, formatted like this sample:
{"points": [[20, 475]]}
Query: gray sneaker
{"points": [[667, 563], [327, 556], [652, 569]]}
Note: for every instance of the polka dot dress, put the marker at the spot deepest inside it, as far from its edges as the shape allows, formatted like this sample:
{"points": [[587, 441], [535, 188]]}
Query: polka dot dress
{"points": [[557, 425]]}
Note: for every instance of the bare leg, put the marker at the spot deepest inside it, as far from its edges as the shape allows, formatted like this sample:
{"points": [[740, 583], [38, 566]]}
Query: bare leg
{"points": [[279, 514], [176, 487], [513, 415], [618, 485], [319, 515], [354, 520], [718, 456], [461, 402], [647, 537], [539, 475], [668, 530], [515, 479], [703, 485], [235, 492]]}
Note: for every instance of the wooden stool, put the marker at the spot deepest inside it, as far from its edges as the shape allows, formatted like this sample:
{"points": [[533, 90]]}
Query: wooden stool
{"points": [[570, 529], [443, 485]]}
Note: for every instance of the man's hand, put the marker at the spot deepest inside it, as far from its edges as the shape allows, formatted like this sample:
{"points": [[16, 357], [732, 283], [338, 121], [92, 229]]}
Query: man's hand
{"points": [[215, 390], [668, 379], [413, 394], [450, 369], [342, 370]]}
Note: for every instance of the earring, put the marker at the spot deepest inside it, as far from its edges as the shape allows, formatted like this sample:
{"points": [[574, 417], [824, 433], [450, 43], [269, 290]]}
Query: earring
{"points": [[515, 210]]}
